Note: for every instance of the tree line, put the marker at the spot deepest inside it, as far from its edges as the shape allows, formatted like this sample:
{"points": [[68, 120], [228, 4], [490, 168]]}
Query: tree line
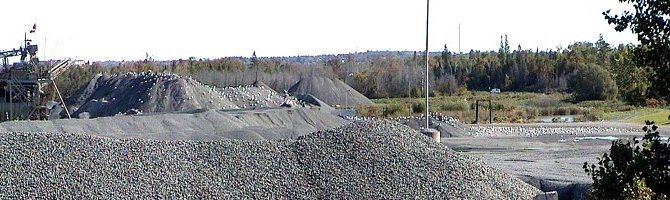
{"points": [[593, 71]]}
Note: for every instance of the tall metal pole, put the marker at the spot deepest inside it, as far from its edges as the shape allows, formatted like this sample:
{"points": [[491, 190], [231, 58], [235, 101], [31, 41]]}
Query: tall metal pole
{"points": [[427, 10]]}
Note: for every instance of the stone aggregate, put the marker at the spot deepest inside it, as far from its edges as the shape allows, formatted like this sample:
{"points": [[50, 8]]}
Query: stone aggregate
{"points": [[367, 159], [151, 92]]}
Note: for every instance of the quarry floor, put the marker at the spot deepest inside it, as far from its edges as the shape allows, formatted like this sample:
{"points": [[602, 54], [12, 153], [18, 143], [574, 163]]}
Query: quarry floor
{"points": [[551, 162]]}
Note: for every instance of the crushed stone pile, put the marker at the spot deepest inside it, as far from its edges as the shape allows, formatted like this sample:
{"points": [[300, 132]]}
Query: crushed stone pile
{"points": [[206, 125], [363, 160], [148, 92], [258, 96], [333, 92]]}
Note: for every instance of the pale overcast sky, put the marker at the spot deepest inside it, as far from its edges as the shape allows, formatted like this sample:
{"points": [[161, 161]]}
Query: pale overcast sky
{"points": [[126, 29]]}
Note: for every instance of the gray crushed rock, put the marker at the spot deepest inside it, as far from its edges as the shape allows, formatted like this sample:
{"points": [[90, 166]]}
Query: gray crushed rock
{"points": [[333, 92], [260, 124], [149, 92], [363, 160]]}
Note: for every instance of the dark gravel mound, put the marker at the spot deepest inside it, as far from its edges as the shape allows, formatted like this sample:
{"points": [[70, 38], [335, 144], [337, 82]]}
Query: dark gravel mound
{"points": [[333, 92], [312, 100], [146, 92], [363, 160]]}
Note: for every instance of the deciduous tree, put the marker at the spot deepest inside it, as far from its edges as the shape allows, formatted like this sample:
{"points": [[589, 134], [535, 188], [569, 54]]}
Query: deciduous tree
{"points": [[650, 20]]}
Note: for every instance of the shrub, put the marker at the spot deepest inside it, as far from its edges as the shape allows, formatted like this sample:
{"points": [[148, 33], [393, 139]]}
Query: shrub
{"points": [[592, 82], [418, 107], [462, 90], [454, 105], [434, 93], [593, 115], [592, 104], [395, 110], [633, 170], [369, 111], [653, 102], [532, 113], [543, 102], [416, 92], [575, 110], [638, 190], [627, 108], [562, 111], [546, 111]]}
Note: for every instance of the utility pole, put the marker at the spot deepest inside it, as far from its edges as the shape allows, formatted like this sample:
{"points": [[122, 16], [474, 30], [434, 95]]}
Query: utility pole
{"points": [[427, 11], [409, 84], [433, 133], [459, 38]]}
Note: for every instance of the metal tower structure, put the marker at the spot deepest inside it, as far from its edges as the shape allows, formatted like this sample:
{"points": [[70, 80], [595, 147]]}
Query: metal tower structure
{"points": [[22, 83]]}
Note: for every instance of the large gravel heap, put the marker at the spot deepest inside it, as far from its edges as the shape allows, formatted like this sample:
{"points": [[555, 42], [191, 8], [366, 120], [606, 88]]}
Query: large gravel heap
{"points": [[363, 160], [109, 95], [333, 92], [148, 92]]}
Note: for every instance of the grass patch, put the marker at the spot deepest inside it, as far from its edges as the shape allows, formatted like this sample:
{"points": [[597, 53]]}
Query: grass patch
{"points": [[627, 114], [660, 116]]}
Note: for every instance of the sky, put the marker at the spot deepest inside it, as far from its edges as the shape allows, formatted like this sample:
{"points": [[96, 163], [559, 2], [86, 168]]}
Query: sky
{"points": [[129, 29]]}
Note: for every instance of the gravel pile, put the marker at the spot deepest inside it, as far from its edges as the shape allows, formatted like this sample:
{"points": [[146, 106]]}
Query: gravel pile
{"points": [[506, 131], [333, 92], [363, 160], [257, 124], [258, 96], [148, 92]]}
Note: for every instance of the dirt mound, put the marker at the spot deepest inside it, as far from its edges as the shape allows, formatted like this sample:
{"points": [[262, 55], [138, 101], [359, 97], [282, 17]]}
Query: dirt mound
{"points": [[333, 92], [364, 160]]}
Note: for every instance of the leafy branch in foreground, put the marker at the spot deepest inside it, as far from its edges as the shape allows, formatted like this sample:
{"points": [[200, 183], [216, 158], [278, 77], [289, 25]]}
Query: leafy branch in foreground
{"points": [[633, 170]]}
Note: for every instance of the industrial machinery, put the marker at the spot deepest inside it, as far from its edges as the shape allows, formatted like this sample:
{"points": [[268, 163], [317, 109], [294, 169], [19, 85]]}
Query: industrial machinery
{"points": [[22, 83]]}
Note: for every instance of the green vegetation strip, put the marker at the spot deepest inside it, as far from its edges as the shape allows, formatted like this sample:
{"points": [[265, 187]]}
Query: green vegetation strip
{"points": [[660, 116]]}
